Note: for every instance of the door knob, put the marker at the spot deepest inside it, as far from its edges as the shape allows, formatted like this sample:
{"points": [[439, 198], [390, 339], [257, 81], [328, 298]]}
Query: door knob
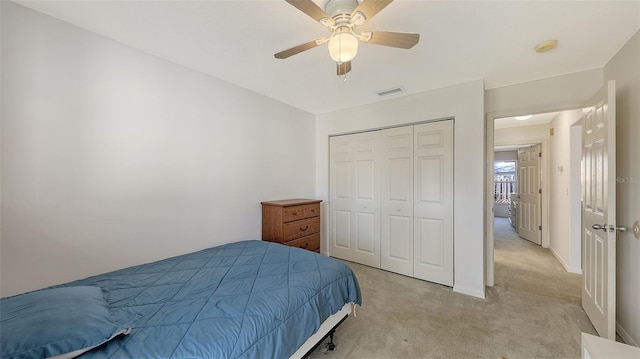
{"points": [[610, 228]]}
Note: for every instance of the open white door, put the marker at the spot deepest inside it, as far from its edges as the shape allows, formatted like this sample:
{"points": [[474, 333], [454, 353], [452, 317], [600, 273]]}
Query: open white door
{"points": [[530, 193], [599, 211]]}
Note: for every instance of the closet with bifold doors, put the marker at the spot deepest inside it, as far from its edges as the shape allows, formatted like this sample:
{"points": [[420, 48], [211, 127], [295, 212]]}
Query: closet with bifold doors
{"points": [[391, 199]]}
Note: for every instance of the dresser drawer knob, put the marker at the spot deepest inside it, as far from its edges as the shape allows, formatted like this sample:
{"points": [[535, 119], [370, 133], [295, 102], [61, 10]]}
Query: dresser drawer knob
{"points": [[304, 229], [304, 246], [294, 213]]}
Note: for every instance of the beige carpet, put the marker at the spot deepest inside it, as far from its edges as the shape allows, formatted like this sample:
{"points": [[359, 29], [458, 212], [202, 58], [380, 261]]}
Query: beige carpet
{"points": [[533, 311]]}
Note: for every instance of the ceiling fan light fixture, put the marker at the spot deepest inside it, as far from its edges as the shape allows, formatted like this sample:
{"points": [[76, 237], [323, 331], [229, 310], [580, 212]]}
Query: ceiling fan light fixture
{"points": [[343, 46]]}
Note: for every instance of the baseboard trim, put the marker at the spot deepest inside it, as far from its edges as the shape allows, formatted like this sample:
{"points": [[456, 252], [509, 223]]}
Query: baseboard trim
{"points": [[625, 336], [559, 259], [467, 291], [574, 270]]}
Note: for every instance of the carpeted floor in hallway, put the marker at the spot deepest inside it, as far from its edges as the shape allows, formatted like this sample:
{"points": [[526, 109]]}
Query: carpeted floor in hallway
{"points": [[533, 311]]}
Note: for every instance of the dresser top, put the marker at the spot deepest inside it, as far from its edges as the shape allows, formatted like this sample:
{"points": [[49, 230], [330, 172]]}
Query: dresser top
{"points": [[291, 202]]}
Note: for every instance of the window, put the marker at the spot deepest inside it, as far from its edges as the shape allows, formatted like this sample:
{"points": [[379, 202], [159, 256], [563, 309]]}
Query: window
{"points": [[504, 180]]}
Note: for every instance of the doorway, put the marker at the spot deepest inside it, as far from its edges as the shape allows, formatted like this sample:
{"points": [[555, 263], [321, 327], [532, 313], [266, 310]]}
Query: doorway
{"points": [[517, 188], [559, 136]]}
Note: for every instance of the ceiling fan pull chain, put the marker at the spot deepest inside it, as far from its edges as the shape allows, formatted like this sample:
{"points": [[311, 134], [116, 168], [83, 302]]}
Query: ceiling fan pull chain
{"points": [[344, 75]]}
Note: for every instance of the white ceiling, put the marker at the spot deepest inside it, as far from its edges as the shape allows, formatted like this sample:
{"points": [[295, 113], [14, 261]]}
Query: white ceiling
{"points": [[460, 41]]}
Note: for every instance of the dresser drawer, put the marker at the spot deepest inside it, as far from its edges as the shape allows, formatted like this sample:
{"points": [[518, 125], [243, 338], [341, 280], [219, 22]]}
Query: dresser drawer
{"points": [[297, 229], [295, 213], [311, 243]]}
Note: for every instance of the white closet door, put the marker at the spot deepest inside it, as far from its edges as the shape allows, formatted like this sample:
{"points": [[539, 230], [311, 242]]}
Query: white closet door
{"points": [[433, 204], [341, 195], [396, 195], [354, 212]]}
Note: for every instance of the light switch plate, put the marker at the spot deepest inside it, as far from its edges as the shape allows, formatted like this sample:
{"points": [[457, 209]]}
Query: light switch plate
{"points": [[636, 229]]}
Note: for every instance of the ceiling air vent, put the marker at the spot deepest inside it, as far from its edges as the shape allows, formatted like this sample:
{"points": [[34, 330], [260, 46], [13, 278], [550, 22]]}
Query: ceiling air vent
{"points": [[391, 91]]}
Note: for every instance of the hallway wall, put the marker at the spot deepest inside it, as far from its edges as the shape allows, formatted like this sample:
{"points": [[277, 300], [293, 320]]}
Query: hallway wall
{"points": [[560, 211]]}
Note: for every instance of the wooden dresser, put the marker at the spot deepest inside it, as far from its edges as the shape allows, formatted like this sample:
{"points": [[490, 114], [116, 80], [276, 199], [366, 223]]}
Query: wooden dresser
{"points": [[292, 222]]}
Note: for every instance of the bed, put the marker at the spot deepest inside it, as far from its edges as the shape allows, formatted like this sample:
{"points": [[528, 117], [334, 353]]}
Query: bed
{"points": [[249, 299]]}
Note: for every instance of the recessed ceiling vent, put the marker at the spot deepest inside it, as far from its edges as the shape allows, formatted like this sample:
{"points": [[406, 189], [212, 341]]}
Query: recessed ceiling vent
{"points": [[391, 91]]}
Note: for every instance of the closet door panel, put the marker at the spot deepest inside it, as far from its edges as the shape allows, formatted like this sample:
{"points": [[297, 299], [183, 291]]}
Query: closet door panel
{"points": [[342, 228], [429, 181], [396, 193], [366, 233], [341, 196], [367, 205], [433, 204], [343, 180], [430, 236], [400, 247], [354, 198]]}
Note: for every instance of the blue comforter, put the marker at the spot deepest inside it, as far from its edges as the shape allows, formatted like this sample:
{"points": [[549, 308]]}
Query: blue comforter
{"points": [[250, 299]]}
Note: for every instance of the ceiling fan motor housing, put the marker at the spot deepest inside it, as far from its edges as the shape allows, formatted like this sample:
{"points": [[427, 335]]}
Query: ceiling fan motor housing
{"points": [[339, 9]]}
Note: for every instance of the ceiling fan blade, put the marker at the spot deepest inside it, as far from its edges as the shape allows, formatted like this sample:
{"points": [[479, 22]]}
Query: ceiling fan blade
{"points": [[393, 39], [370, 8], [343, 68], [296, 50], [310, 8]]}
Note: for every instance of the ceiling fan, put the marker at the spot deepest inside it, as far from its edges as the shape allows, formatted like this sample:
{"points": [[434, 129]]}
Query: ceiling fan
{"points": [[342, 17]]}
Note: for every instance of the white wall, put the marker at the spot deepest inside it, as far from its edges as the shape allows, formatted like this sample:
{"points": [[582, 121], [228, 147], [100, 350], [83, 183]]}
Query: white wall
{"points": [[575, 198], [522, 135], [505, 156], [624, 68], [464, 103], [112, 157], [547, 95], [560, 172]]}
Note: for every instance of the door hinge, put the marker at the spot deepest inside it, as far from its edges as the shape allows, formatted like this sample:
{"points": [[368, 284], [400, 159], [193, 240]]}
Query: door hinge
{"points": [[540, 190], [540, 228], [539, 154]]}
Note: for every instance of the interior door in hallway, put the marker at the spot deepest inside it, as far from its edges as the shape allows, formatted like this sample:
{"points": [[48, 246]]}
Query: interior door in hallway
{"points": [[599, 211], [529, 190], [396, 194], [354, 212], [433, 203]]}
